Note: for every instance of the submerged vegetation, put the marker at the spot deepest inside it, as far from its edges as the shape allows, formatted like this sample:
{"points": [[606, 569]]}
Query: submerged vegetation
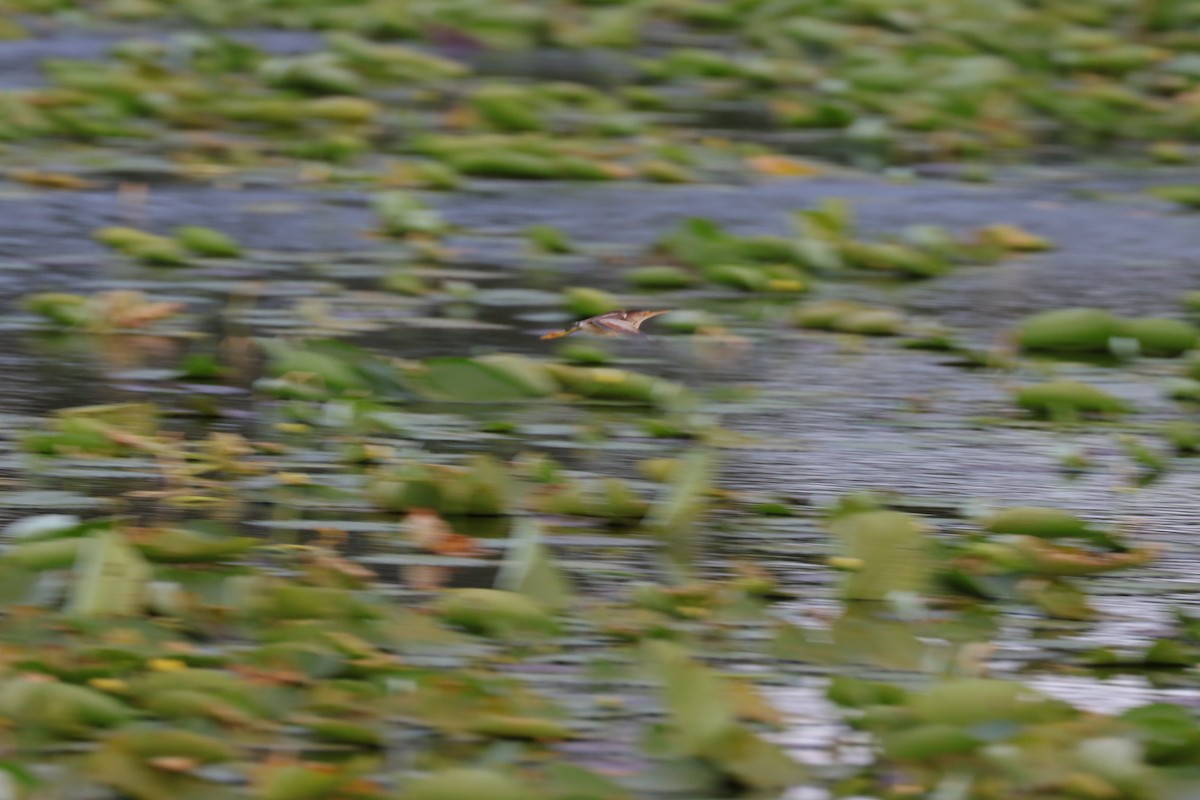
{"points": [[298, 505]]}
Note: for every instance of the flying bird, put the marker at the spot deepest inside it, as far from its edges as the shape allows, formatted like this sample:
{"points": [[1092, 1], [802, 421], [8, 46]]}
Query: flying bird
{"points": [[614, 323]]}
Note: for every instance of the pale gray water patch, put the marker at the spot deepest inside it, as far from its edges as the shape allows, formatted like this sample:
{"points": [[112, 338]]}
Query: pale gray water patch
{"points": [[20, 59]]}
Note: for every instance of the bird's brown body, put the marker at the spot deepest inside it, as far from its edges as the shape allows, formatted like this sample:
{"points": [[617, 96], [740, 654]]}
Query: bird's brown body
{"points": [[614, 323]]}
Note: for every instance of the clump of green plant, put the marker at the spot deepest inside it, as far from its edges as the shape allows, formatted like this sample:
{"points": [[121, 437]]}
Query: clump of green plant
{"points": [[548, 239], [401, 214], [849, 317], [1097, 331], [1068, 400], [103, 312], [482, 487], [1187, 196], [148, 248], [207, 242]]}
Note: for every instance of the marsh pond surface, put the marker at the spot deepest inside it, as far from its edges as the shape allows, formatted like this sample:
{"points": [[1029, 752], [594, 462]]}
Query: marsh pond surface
{"points": [[897, 501]]}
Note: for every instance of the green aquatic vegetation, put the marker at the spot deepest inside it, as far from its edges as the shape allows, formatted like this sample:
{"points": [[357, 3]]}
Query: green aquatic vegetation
{"points": [[1034, 555], [342, 109], [781, 278], [484, 703], [297, 780], [1173, 153], [1011, 238], [528, 156], [509, 109], [314, 73], [584, 355], [1184, 436], [1151, 462], [849, 317], [703, 243], [284, 652], [702, 722], [317, 369], [1157, 336], [661, 277], [48, 555], [112, 578], [499, 163], [21, 118], [207, 242], [155, 762], [1067, 400], [493, 612], [1187, 196], [110, 429], [337, 148], [403, 281], [529, 569], [1069, 329], [693, 62], [688, 601], [145, 247], [391, 62], [548, 239], [491, 378], [1160, 654], [1094, 330], [189, 545], [275, 600], [1186, 390], [1007, 738], [1046, 523], [683, 502], [661, 171], [583, 301], [964, 97], [613, 499], [974, 701], [62, 710], [894, 257], [882, 553], [103, 312], [401, 214], [483, 487], [468, 783], [831, 220], [605, 383]]}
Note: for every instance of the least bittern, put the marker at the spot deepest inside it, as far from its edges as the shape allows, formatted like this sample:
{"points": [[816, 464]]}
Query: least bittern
{"points": [[614, 323]]}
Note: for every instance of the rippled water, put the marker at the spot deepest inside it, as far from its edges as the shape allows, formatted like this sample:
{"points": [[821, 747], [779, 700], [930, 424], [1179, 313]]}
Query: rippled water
{"points": [[829, 415]]}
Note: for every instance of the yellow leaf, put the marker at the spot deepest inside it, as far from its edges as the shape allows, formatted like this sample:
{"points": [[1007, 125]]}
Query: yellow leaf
{"points": [[783, 166]]}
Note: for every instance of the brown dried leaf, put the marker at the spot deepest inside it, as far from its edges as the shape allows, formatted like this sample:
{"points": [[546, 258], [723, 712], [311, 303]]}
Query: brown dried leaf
{"points": [[425, 529], [50, 180], [777, 166], [174, 763]]}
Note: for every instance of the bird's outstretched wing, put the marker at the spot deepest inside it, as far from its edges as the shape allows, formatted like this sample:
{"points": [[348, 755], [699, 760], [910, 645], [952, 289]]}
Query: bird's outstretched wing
{"points": [[620, 327]]}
